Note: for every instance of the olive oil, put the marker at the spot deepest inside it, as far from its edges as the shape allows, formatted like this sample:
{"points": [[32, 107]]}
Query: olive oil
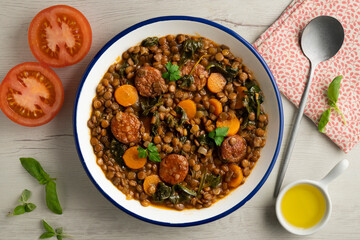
{"points": [[303, 206]]}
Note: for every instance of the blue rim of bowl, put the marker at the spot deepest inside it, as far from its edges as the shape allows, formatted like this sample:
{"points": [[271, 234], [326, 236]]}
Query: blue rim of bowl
{"points": [[235, 35]]}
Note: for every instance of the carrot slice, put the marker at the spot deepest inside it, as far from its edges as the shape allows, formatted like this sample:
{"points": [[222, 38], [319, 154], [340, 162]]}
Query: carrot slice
{"points": [[237, 177], [240, 97], [150, 181], [216, 82], [218, 106], [233, 124], [189, 107], [132, 159], [126, 95]]}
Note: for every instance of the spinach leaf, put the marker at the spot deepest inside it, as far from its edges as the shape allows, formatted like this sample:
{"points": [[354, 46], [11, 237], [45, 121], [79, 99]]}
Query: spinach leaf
{"points": [[117, 150], [162, 192], [150, 41], [189, 48], [202, 181], [134, 57], [205, 140], [183, 117], [228, 72], [212, 180], [156, 125], [187, 80], [254, 98], [186, 190], [122, 69], [52, 200], [150, 104], [34, 169]]}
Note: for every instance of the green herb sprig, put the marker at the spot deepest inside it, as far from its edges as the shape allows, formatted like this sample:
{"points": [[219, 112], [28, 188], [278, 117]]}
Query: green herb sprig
{"points": [[151, 151], [218, 135], [333, 95], [34, 169], [173, 72], [24, 206], [51, 232]]}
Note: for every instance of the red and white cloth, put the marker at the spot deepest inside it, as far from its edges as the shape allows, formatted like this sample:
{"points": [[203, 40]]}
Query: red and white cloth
{"points": [[279, 46]]}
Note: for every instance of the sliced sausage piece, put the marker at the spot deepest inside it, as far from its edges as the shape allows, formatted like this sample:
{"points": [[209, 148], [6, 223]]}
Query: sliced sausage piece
{"points": [[149, 82], [126, 127], [233, 149], [173, 168], [200, 76]]}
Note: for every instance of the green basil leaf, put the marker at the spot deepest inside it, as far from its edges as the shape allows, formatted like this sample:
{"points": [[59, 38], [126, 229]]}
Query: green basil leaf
{"points": [[324, 120], [25, 195], [334, 89], [19, 210], [34, 169], [59, 230], [47, 235], [47, 227], [29, 207], [52, 200], [59, 237]]}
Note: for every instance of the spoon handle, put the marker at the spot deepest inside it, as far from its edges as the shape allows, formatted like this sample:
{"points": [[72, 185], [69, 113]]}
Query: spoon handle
{"points": [[294, 131], [335, 172]]}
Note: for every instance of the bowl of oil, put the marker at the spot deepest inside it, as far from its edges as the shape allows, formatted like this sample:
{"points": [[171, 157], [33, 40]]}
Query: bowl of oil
{"points": [[303, 207]]}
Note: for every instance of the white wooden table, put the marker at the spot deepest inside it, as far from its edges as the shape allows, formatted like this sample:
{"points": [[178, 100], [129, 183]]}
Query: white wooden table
{"points": [[87, 214]]}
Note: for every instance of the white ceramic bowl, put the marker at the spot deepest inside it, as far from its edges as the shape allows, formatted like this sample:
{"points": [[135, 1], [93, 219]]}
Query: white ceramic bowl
{"points": [[162, 26]]}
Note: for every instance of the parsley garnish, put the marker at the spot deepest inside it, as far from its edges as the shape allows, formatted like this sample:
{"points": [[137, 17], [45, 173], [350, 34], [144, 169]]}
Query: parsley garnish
{"points": [[173, 72], [218, 135], [151, 151]]}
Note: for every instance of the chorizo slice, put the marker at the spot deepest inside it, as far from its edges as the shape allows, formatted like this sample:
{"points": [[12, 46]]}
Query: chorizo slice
{"points": [[173, 169], [126, 127], [200, 76], [233, 149], [149, 82]]}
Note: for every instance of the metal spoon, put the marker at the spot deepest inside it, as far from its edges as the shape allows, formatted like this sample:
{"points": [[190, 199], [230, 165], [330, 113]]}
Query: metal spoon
{"points": [[321, 40]]}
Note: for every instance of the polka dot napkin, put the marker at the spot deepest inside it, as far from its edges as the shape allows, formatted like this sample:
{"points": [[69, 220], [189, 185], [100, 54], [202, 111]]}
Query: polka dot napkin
{"points": [[279, 45]]}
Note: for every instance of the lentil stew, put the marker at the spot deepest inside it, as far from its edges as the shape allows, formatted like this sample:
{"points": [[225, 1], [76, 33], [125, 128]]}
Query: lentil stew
{"points": [[178, 122]]}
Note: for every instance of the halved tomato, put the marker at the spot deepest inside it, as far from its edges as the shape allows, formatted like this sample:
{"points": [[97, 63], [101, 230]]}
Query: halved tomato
{"points": [[59, 36], [31, 94]]}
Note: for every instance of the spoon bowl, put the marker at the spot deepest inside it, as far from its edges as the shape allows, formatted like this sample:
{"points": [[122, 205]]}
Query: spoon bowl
{"points": [[322, 38]]}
